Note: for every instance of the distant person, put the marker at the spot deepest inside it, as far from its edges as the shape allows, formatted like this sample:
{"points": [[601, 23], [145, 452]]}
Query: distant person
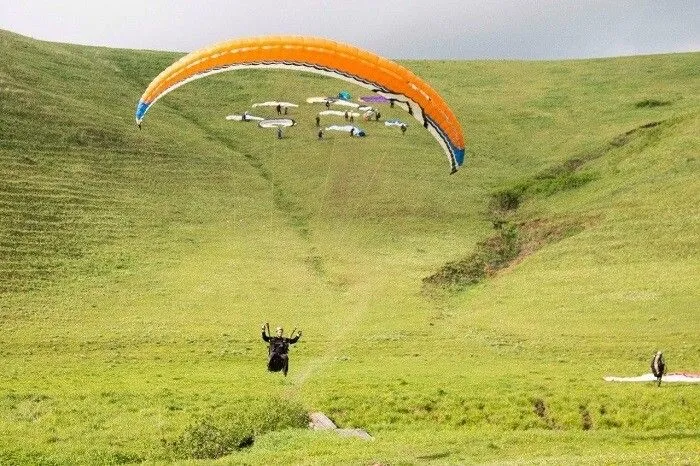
{"points": [[658, 367], [328, 103], [279, 109], [403, 128], [320, 134], [391, 103], [278, 350], [285, 110], [346, 115], [244, 117], [279, 132], [352, 117], [352, 132], [377, 116]]}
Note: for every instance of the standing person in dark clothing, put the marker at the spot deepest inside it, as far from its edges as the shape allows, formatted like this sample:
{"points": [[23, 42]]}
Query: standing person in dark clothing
{"points": [[278, 358], [658, 367], [279, 109], [318, 120]]}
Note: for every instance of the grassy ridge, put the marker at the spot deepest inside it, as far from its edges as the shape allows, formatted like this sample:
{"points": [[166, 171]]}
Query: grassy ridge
{"points": [[137, 266]]}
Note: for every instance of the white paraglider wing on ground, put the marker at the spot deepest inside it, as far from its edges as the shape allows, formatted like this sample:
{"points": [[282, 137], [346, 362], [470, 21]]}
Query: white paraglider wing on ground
{"points": [[274, 103], [339, 113], [319, 100], [344, 128], [394, 123], [235, 117], [345, 103], [277, 123], [673, 377]]}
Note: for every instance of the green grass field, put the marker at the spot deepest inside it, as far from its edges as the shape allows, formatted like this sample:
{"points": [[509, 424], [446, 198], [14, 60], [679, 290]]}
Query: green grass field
{"points": [[137, 266]]}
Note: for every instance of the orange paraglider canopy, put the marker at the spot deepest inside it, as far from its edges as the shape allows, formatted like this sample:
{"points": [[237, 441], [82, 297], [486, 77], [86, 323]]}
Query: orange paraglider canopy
{"points": [[323, 56]]}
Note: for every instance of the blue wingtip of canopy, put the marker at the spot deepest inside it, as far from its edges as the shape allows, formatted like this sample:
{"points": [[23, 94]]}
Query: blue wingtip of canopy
{"points": [[459, 157], [141, 109]]}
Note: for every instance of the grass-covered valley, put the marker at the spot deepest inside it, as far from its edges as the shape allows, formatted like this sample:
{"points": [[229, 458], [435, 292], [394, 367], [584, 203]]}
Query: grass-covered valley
{"points": [[456, 318]]}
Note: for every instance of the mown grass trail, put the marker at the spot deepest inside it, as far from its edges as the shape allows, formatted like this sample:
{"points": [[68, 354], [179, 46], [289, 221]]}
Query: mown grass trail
{"points": [[137, 266]]}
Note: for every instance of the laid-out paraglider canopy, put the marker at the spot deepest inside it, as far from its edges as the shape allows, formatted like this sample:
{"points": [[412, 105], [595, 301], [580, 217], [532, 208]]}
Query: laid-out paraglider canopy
{"points": [[394, 123], [277, 123], [319, 100], [353, 130], [339, 113], [243, 117], [381, 76], [274, 103], [374, 99]]}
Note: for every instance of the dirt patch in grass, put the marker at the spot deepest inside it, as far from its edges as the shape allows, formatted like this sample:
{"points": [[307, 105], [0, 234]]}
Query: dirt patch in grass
{"points": [[651, 103], [540, 409], [509, 246], [586, 419], [490, 256]]}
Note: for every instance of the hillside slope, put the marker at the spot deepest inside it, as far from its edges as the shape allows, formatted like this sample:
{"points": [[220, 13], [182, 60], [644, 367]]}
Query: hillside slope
{"points": [[137, 266]]}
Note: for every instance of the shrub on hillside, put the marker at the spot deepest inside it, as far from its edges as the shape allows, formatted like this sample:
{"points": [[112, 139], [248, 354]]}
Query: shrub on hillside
{"points": [[232, 428]]}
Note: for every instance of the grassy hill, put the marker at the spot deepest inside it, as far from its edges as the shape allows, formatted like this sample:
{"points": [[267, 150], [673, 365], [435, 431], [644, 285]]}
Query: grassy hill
{"points": [[137, 266]]}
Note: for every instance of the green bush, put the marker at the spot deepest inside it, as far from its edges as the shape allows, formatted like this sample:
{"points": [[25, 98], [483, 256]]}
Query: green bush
{"points": [[232, 428]]}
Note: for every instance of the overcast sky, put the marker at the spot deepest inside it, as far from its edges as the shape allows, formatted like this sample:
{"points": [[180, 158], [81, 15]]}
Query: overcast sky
{"points": [[465, 29]]}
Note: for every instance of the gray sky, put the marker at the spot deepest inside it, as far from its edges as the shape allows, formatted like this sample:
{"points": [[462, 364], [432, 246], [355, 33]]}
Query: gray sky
{"points": [[526, 29]]}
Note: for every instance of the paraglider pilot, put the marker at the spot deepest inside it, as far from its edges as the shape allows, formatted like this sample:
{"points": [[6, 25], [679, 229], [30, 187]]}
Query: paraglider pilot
{"points": [[278, 357], [279, 109]]}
